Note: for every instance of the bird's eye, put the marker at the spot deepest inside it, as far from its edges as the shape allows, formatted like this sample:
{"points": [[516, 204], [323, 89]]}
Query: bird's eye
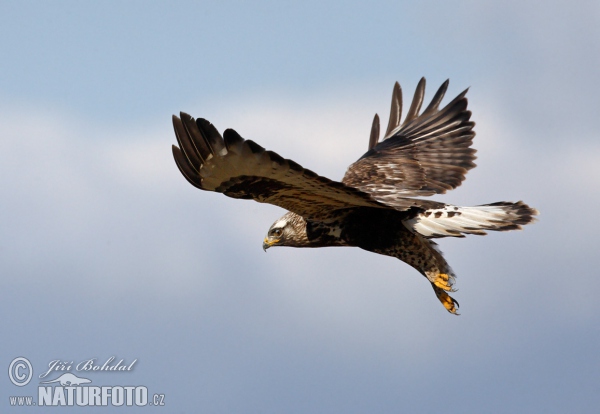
{"points": [[276, 232]]}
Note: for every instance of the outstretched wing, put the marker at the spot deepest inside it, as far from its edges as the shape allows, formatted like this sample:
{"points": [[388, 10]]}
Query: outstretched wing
{"points": [[428, 154], [243, 169]]}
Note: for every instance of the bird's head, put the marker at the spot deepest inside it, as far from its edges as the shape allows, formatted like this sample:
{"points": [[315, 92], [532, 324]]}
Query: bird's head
{"points": [[289, 230]]}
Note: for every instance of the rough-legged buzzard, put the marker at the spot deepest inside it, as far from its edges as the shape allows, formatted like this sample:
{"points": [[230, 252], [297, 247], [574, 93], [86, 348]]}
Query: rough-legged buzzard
{"points": [[372, 207]]}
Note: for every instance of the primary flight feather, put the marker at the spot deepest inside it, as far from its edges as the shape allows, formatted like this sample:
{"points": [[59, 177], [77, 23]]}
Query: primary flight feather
{"points": [[372, 207]]}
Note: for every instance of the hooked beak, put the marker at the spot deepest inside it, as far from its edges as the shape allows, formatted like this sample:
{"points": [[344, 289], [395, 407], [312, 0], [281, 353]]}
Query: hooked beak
{"points": [[267, 243]]}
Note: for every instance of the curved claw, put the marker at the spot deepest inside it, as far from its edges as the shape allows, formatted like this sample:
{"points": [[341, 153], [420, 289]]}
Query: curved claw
{"points": [[448, 301]]}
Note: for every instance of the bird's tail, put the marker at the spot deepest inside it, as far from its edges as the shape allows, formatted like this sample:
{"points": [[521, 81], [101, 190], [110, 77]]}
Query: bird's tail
{"points": [[457, 221]]}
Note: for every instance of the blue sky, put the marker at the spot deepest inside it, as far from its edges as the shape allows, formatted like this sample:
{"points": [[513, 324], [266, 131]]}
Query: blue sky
{"points": [[105, 250]]}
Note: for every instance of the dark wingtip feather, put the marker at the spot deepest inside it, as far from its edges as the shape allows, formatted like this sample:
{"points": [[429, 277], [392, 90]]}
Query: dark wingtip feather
{"points": [[188, 147], [232, 138], [417, 101], [395, 109], [437, 99], [195, 136], [254, 147], [210, 135], [374, 137], [185, 168]]}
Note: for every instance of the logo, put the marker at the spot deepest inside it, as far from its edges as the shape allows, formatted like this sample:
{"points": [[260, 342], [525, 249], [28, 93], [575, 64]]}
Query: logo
{"points": [[20, 371], [71, 389], [68, 380]]}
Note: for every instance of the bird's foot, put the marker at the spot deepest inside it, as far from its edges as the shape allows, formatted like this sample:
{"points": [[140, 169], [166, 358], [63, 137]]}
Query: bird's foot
{"points": [[448, 301], [444, 282]]}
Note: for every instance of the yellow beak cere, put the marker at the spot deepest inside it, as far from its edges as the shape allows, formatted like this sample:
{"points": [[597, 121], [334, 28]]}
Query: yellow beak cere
{"points": [[267, 243]]}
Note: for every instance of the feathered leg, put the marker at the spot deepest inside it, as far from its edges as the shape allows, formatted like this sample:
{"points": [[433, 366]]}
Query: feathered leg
{"points": [[423, 255]]}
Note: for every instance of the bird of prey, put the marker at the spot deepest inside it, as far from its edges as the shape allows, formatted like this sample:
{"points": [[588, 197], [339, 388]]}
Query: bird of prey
{"points": [[373, 207]]}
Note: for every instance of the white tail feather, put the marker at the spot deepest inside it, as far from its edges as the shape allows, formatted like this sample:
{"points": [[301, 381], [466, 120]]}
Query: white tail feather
{"points": [[457, 221]]}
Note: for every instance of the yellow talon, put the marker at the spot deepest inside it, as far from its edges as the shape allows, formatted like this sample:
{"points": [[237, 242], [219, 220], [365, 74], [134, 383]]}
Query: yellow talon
{"points": [[441, 281], [449, 303]]}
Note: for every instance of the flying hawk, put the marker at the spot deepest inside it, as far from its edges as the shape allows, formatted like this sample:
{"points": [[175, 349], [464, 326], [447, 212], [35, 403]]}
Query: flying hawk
{"points": [[372, 207]]}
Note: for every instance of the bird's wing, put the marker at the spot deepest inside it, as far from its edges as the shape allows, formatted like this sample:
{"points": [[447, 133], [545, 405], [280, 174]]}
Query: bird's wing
{"points": [[429, 153], [240, 168]]}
